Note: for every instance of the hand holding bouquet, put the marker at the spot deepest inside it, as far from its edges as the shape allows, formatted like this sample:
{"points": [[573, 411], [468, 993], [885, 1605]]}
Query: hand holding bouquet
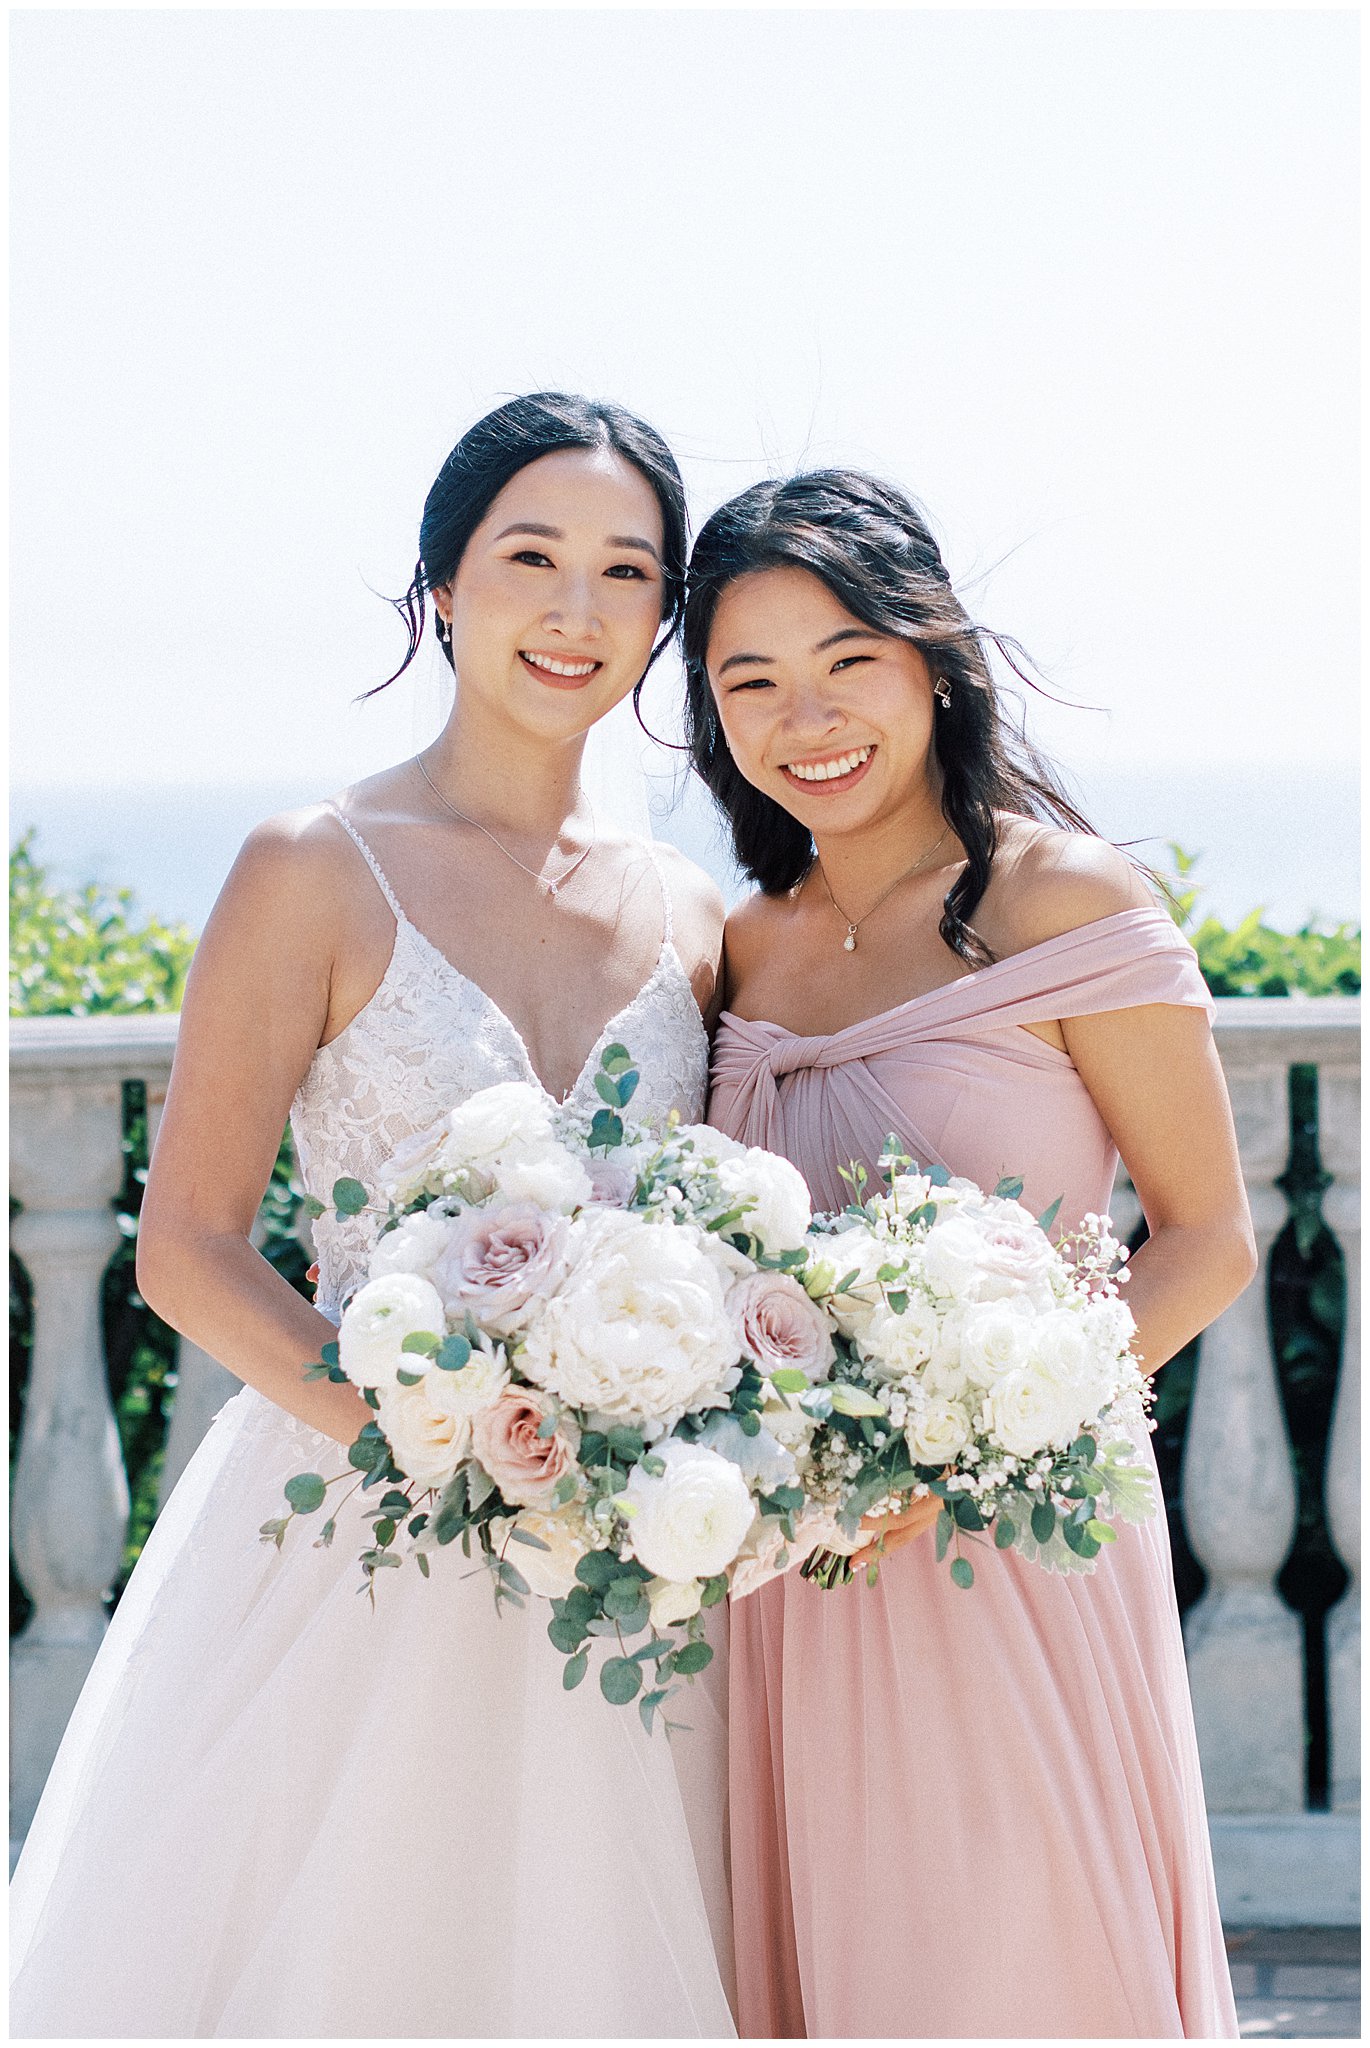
{"points": [[979, 1363]]}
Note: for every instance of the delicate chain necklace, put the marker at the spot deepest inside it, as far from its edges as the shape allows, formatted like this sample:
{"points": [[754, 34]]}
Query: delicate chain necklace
{"points": [[551, 883], [854, 924]]}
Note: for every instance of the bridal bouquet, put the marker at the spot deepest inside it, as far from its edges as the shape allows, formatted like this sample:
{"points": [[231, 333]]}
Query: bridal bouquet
{"points": [[569, 1335], [977, 1361]]}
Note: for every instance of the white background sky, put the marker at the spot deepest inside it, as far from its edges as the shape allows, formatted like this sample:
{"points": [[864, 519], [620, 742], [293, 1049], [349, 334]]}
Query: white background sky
{"points": [[1086, 282]]}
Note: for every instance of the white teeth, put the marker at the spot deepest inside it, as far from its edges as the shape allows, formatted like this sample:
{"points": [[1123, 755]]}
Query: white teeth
{"points": [[561, 668], [828, 771]]}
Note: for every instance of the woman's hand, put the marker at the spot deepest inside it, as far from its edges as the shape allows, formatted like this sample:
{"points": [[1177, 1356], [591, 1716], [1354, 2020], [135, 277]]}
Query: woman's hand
{"points": [[892, 1532]]}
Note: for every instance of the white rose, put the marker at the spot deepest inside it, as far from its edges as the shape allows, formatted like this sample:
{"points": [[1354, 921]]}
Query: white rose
{"points": [[548, 1176], [639, 1331], [411, 1166], [1017, 1256], [1031, 1410], [896, 1344], [551, 1573], [952, 1253], [376, 1322], [687, 1522], [511, 1116], [429, 1438], [413, 1246], [938, 1433], [775, 1196], [995, 1339], [668, 1603]]}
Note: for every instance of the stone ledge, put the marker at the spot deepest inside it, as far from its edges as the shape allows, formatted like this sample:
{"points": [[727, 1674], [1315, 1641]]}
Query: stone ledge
{"points": [[1287, 1870]]}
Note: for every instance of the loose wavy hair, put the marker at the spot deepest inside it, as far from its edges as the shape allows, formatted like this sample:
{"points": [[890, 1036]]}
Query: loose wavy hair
{"points": [[872, 547], [493, 451]]}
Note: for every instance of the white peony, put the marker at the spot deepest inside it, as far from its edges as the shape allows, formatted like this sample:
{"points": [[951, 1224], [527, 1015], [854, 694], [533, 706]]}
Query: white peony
{"points": [[668, 1603], [995, 1339], [775, 1196], [938, 1433], [551, 1573], [689, 1521], [414, 1246], [639, 1331], [376, 1322], [1033, 1409], [898, 1343]]}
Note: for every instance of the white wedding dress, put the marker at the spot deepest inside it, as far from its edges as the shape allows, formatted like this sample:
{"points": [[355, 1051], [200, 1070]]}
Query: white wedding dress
{"points": [[280, 1813]]}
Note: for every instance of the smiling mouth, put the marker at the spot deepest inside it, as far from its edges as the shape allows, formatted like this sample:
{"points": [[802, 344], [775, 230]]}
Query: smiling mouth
{"points": [[557, 669], [837, 772]]}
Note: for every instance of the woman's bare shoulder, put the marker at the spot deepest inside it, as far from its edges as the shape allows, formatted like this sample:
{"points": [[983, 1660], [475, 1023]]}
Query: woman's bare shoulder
{"points": [[751, 931], [1048, 881]]}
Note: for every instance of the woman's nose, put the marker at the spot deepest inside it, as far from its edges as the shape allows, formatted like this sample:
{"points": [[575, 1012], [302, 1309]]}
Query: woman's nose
{"points": [[573, 610]]}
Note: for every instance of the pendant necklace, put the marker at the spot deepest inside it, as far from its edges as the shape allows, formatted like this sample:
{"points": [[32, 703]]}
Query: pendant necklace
{"points": [[551, 883], [854, 924]]}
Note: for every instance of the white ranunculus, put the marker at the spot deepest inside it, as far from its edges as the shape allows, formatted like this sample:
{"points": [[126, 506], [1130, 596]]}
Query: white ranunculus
{"points": [[763, 1460], [995, 1338], [1032, 1410], [551, 1573], [414, 1246], [668, 1603], [639, 1332], [548, 1176], [689, 1521], [938, 1433], [899, 1343], [494, 1123], [775, 1195], [376, 1322]]}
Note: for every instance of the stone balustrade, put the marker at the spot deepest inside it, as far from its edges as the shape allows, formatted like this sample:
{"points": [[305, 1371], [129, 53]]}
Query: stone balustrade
{"points": [[1245, 1647]]}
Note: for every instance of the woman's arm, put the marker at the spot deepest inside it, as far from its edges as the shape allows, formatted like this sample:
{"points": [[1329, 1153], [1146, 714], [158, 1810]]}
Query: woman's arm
{"points": [[256, 1008], [1156, 1081]]}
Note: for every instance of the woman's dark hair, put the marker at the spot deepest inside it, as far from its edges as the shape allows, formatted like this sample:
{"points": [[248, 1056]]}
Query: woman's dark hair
{"points": [[495, 449], [873, 549]]}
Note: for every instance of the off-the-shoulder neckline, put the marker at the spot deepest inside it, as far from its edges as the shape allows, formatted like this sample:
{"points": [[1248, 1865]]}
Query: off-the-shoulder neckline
{"points": [[1076, 931]]}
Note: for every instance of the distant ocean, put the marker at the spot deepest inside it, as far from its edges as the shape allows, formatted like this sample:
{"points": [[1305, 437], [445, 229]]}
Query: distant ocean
{"points": [[1287, 839]]}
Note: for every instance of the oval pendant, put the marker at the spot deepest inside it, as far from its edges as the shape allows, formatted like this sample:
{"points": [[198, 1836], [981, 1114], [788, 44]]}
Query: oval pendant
{"points": [[551, 888], [849, 943]]}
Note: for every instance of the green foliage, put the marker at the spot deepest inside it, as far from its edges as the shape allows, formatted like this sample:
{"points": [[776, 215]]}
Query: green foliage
{"points": [[1251, 959], [82, 952]]}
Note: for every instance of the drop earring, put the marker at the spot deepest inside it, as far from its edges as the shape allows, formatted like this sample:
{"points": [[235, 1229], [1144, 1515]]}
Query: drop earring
{"points": [[941, 690]]}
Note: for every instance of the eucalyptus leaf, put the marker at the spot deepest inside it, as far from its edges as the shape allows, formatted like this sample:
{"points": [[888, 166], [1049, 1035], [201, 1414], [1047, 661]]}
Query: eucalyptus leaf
{"points": [[962, 1572], [620, 1680], [305, 1492], [349, 1196]]}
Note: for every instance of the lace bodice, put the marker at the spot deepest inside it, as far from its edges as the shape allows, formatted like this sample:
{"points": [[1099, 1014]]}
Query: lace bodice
{"points": [[428, 1038]]}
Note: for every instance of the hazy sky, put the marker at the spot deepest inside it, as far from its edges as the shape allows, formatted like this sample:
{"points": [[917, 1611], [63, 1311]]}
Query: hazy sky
{"points": [[1086, 282]]}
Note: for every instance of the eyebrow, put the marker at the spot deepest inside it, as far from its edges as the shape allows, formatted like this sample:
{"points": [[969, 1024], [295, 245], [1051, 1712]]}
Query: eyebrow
{"points": [[764, 660], [613, 540]]}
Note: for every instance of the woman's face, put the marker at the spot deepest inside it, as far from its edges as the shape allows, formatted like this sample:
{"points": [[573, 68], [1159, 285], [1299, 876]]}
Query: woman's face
{"points": [[558, 597], [830, 718]]}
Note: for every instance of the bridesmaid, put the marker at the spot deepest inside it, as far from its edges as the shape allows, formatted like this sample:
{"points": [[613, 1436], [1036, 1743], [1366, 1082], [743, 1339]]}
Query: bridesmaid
{"points": [[953, 1814]]}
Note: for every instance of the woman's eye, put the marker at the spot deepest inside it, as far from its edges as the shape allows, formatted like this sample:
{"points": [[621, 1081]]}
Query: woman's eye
{"points": [[752, 683], [626, 572], [532, 557], [850, 661]]}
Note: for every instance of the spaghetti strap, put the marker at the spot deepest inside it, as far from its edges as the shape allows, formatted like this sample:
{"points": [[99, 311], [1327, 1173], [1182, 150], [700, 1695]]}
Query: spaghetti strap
{"points": [[667, 921], [369, 857]]}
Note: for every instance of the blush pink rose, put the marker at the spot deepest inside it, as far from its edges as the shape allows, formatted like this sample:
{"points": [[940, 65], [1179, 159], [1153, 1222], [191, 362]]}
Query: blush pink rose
{"points": [[499, 1263], [524, 1466], [612, 1181], [1016, 1255], [780, 1326]]}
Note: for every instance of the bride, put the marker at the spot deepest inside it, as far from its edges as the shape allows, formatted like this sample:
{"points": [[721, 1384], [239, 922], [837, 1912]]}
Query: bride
{"points": [[277, 1812]]}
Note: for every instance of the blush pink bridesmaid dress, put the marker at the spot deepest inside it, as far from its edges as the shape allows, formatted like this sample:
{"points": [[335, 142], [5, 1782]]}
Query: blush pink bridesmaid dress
{"points": [[979, 1813]]}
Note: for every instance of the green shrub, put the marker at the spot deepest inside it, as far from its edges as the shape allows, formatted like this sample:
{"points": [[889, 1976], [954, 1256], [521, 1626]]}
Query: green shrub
{"points": [[80, 953], [1250, 959]]}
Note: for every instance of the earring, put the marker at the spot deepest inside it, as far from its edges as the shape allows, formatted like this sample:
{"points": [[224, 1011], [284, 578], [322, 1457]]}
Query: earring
{"points": [[941, 690], [444, 629]]}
